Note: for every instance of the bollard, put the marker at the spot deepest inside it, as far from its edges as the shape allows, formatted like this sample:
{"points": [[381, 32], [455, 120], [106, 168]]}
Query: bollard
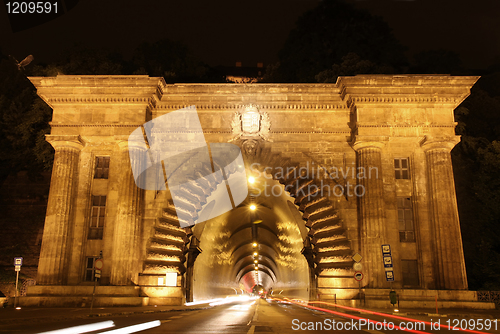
{"points": [[393, 297]]}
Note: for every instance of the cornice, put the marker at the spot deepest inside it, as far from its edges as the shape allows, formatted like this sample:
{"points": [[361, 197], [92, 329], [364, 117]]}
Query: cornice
{"points": [[259, 106], [403, 99], [100, 99], [406, 125]]}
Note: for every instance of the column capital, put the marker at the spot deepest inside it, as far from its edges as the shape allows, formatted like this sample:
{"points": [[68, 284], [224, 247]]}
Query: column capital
{"points": [[429, 143], [361, 144], [72, 141], [132, 144]]}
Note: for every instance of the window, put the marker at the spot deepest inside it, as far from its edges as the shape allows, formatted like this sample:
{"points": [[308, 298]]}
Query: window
{"points": [[89, 269], [98, 214], [405, 220], [101, 168], [401, 168], [410, 273]]}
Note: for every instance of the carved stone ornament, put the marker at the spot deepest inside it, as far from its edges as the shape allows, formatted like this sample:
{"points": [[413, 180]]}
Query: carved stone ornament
{"points": [[250, 122], [250, 147]]}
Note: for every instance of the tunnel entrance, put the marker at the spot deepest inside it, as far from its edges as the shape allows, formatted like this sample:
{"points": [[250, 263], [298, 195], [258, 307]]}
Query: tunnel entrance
{"points": [[286, 236], [259, 243]]}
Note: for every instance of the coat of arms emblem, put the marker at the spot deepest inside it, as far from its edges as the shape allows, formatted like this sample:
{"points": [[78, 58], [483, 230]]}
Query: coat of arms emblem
{"points": [[250, 122]]}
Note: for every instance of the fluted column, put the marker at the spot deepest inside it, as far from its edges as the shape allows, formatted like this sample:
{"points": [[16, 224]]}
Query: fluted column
{"points": [[52, 266], [371, 212], [443, 212], [126, 237]]}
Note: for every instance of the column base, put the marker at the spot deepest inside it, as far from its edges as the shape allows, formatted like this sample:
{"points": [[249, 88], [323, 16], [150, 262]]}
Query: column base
{"points": [[105, 296]]}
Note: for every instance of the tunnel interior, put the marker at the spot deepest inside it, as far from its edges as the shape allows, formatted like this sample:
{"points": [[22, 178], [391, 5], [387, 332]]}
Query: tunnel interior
{"points": [[256, 246]]}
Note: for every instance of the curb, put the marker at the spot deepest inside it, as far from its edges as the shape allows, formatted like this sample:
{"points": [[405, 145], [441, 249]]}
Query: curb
{"points": [[145, 312]]}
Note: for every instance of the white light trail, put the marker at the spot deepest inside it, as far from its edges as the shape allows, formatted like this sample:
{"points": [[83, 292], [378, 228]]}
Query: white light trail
{"points": [[134, 328], [83, 328]]}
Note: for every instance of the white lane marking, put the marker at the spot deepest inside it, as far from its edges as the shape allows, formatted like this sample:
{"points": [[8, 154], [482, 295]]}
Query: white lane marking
{"points": [[83, 328], [256, 315], [162, 321], [176, 317], [134, 328], [251, 330]]}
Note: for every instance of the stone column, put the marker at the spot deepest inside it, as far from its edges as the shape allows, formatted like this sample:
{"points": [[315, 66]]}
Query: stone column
{"points": [[443, 212], [371, 210], [126, 237], [52, 267]]}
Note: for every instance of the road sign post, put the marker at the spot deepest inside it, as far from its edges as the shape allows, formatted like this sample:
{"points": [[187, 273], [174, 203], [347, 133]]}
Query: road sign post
{"points": [[18, 262], [388, 264], [358, 275], [98, 264]]}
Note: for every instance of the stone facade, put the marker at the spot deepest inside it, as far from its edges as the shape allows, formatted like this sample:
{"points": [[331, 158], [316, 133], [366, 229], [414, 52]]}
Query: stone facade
{"points": [[366, 121]]}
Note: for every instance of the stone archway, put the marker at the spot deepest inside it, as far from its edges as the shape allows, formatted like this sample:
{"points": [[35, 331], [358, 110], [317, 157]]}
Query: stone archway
{"points": [[324, 242]]}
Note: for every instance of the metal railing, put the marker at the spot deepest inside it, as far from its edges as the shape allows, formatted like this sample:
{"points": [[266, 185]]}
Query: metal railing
{"points": [[489, 296]]}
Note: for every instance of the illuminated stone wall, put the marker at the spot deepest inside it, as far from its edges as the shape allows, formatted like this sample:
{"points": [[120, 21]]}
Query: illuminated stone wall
{"points": [[362, 121]]}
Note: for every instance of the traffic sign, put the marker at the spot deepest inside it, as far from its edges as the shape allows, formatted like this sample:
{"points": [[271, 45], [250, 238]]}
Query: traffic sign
{"points": [[17, 268], [358, 276], [389, 276], [18, 261], [98, 264], [97, 273], [387, 261], [386, 249], [357, 257], [357, 266]]}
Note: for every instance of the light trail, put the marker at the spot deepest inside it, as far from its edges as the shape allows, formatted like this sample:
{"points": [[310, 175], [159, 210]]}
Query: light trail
{"points": [[302, 302], [83, 328], [344, 315], [391, 316], [134, 328]]}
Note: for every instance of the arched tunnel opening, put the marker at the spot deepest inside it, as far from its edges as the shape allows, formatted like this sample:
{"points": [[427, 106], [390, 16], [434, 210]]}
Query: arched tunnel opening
{"points": [[254, 248]]}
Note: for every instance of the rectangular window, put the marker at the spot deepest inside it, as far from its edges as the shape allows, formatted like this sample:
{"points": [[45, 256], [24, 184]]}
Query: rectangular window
{"points": [[97, 216], [401, 168], [410, 273], [101, 168], [405, 220], [89, 269]]}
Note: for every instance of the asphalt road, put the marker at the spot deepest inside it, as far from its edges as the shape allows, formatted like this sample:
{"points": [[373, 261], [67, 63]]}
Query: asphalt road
{"points": [[254, 316]]}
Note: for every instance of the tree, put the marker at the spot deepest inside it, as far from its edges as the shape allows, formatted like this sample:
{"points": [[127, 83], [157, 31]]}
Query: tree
{"points": [[171, 60], [437, 62], [24, 121], [476, 162], [352, 64], [330, 32]]}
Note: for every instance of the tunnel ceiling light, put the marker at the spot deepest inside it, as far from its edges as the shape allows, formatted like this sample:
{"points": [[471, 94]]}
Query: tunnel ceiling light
{"points": [[251, 180], [256, 268], [254, 244], [255, 261], [255, 253], [253, 207]]}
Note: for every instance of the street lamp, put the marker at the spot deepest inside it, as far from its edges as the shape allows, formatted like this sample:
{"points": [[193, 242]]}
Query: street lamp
{"points": [[253, 207]]}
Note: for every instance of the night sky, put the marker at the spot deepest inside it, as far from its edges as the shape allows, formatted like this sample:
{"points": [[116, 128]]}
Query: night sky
{"points": [[223, 32]]}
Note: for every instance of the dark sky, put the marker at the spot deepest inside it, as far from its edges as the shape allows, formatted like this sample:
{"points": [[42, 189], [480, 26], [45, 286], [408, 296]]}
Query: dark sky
{"points": [[223, 32]]}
